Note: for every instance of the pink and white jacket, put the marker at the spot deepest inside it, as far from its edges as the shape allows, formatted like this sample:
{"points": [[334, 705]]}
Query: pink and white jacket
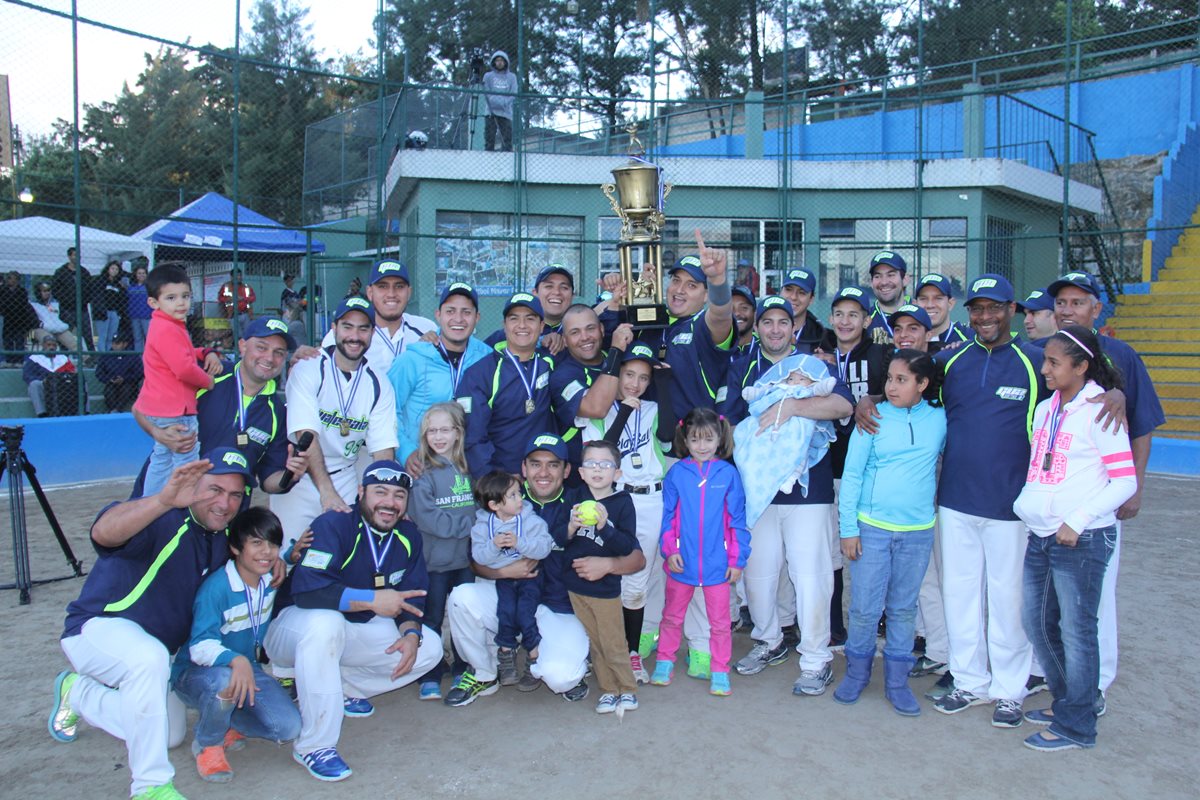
{"points": [[1090, 471]]}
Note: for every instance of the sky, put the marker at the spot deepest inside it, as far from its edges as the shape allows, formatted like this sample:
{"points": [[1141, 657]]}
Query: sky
{"points": [[35, 47]]}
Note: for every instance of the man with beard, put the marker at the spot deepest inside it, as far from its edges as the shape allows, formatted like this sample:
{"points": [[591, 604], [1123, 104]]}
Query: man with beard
{"points": [[889, 279], [346, 405], [354, 630], [743, 321]]}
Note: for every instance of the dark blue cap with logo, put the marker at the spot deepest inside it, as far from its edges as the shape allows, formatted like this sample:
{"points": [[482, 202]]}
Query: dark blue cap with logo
{"points": [[229, 461], [549, 442], [860, 296], [802, 278], [554, 269], [888, 258], [262, 327], [524, 299], [1038, 300], [640, 352], [387, 472], [388, 268], [744, 292], [910, 310], [940, 282], [354, 303], [1080, 280], [691, 265], [464, 289], [990, 286], [774, 302]]}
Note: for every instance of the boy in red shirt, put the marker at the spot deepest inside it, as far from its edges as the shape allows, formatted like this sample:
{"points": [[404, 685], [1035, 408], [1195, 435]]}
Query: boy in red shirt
{"points": [[173, 376]]}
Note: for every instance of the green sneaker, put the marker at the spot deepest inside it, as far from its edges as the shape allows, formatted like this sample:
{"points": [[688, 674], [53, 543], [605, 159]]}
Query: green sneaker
{"points": [[699, 665], [165, 792], [647, 644], [63, 718]]}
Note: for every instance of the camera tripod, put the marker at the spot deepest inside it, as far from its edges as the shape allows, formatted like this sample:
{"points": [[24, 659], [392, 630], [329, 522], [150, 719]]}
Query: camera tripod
{"points": [[18, 467]]}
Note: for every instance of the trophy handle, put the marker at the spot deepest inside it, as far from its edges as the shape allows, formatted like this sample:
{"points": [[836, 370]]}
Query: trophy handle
{"points": [[667, 187], [609, 190]]}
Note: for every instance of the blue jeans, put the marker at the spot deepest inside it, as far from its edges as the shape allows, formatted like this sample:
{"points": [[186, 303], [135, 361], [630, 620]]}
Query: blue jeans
{"points": [[273, 715], [106, 329], [140, 328], [887, 576], [164, 461], [516, 612], [1061, 599], [440, 586]]}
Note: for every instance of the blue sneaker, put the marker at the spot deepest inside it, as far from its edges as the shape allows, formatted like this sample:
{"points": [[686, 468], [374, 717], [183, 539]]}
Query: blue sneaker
{"points": [[662, 673], [1046, 742], [358, 707], [324, 764], [720, 685], [431, 690], [63, 720]]}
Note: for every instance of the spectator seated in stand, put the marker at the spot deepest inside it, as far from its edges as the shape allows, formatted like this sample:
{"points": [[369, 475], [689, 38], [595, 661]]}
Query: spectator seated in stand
{"points": [[121, 374], [41, 372], [49, 322]]}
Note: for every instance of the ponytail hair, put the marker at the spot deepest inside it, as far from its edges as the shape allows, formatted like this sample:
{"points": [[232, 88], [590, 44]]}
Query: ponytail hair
{"points": [[700, 418], [1080, 344], [923, 366]]}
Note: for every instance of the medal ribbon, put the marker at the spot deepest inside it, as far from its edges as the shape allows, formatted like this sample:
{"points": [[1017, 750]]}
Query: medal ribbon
{"points": [[1055, 422], [528, 384], [378, 556], [256, 618], [492, 527], [240, 422], [344, 402], [843, 367], [382, 333], [455, 371], [637, 425]]}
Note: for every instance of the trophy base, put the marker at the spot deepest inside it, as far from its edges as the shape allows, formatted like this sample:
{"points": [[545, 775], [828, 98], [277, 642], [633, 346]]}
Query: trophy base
{"points": [[646, 317]]}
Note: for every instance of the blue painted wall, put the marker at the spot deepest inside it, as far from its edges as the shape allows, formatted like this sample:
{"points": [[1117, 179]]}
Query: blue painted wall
{"points": [[92, 448], [1176, 194]]}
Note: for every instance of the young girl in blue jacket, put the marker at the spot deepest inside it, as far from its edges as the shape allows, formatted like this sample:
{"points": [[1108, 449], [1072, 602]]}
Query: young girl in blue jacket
{"points": [[886, 514], [704, 540]]}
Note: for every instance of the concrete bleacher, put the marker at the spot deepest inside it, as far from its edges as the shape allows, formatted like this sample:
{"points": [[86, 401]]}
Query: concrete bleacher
{"points": [[14, 395]]}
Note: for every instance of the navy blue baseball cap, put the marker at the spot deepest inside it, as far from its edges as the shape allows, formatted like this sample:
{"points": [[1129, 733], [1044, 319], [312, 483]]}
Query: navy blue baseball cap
{"points": [[802, 278], [524, 299], [640, 352], [262, 327], [1038, 300], [354, 303], [691, 265], [990, 286], [860, 296], [940, 282], [388, 268], [774, 302], [890, 259], [459, 288], [549, 442], [910, 310], [229, 461], [554, 269], [1080, 280], [745, 292], [387, 472]]}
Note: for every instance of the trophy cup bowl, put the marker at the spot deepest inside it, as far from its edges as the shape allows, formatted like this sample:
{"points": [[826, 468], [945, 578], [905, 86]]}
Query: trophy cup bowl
{"points": [[638, 203]]}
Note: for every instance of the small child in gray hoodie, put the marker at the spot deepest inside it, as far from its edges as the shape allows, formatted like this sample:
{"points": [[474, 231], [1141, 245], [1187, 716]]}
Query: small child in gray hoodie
{"points": [[442, 507], [507, 530]]}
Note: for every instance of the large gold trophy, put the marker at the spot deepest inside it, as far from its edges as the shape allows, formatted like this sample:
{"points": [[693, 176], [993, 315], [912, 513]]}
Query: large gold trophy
{"points": [[638, 201]]}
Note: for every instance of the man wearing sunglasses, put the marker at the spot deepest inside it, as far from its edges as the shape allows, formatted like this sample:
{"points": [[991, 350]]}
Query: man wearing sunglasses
{"points": [[354, 630]]}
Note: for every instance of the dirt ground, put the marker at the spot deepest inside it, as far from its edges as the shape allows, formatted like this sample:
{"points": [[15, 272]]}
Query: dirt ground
{"points": [[760, 741]]}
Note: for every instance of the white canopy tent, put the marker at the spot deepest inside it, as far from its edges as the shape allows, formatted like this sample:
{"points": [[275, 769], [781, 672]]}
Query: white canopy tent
{"points": [[38, 246]]}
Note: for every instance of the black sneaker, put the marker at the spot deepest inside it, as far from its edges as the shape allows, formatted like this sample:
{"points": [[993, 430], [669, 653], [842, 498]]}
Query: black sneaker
{"points": [[528, 682], [943, 687], [837, 641], [467, 688], [744, 615], [926, 666], [919, 645], [576, 693], [1035, 684], [507, 667], [791, 635], [1008, 714]]}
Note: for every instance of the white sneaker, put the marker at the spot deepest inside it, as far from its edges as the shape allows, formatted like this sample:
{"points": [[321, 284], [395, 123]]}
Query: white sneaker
{"points": [[639, 670]]}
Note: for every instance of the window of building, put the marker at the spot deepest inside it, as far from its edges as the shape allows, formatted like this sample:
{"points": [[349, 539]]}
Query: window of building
{"points": [[481, 248], [1001, 238], [847, 246]]}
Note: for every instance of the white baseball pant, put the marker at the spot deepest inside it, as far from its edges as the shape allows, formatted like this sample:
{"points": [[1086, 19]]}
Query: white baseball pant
{"points": [[562, 654], [334, 658], [300, 506], [635, 587], [983, 563], [1108, 617], [931, 614]]}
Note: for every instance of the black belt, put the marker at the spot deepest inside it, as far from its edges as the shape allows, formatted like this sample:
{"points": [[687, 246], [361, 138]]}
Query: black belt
{"points": [[651, 489]]}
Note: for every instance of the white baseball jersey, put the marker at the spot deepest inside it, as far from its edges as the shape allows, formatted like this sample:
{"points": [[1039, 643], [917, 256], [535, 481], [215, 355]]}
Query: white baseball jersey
{"points": [[384, 347], [315, 403], [639, 439]]}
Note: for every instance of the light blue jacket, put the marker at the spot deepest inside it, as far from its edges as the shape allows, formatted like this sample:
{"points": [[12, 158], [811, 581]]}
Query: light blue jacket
{"points": [[420, 378], [890, 479]]}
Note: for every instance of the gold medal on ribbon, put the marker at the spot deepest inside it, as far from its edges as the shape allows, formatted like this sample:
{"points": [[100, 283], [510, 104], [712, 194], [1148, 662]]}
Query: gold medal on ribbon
{"points": [[380, 582], [529, 406], [344, 427]]}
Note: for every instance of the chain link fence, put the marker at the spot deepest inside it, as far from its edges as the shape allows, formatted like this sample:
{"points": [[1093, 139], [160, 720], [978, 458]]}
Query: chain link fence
{"points": [[1022, 138]]}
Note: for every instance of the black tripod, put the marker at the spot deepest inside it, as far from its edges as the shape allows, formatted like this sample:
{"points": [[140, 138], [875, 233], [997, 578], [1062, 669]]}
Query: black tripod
{"points": [[18, 465]]}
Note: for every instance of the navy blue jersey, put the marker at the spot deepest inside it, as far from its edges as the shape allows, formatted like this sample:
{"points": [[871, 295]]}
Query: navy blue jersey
{"points": [[340, 556], [864, 371], [955, 333], [1142, 406], [990, 397], [557, 564], [617, 538], [698, 365], [265, 419], [809, 335], [499, 425], [569, 382], [152, 579]]}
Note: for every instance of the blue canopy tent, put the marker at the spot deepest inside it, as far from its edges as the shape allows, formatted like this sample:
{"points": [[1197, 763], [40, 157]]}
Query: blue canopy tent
{"points": [[207, 224]]}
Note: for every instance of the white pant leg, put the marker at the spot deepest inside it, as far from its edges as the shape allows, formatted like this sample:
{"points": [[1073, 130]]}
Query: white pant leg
{"points": [[471, 615], [785, 597], [1108, 617], [1008, 648], [563, 652], [366, 666], [962, 598], [762, 577], [122, 689], [931, 616], [695, 620], [311, 641], [635, 588], [300, 506], [805, 531], [835, 541]]}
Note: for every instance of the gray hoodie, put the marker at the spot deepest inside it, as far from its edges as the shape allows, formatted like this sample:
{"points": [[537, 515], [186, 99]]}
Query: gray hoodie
{"points": [[533, 538], [500, 80], [443, 510]]}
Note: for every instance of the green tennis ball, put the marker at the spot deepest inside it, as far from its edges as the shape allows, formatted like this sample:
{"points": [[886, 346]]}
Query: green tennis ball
{"points": [[588, 512]]}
